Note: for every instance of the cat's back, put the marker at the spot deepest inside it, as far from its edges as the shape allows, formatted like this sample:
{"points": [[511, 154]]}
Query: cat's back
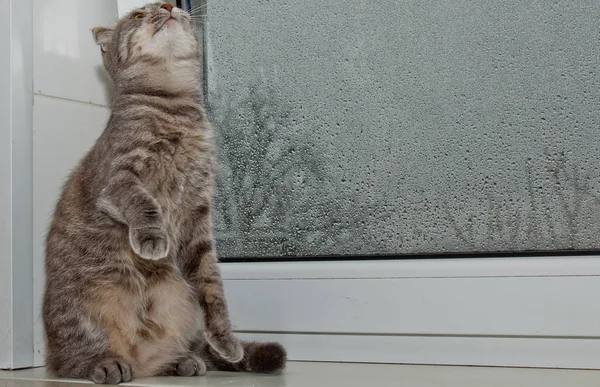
{"points": [[78, 230]]}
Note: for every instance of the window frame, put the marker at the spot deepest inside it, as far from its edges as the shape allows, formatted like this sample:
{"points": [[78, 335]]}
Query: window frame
{"points": [[16, 174], [522, 311]]}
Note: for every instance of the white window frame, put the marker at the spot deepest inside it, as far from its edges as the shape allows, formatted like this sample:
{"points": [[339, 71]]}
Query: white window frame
{"points": [[522, 311], [16, 130]]}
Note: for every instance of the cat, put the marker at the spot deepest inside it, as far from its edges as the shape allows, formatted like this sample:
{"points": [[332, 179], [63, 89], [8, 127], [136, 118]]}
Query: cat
{"points": [[133, 287]]}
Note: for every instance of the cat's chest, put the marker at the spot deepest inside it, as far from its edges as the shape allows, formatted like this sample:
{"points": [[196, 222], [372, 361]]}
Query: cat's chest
{"points": [[186, 169]]}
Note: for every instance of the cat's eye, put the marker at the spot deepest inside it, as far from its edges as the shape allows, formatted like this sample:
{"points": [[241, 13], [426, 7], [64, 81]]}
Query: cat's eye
{"points": [[137, 15]]}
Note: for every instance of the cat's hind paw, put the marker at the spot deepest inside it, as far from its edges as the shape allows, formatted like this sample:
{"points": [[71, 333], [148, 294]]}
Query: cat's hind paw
{"points": [[190, 365], [111, 371]]}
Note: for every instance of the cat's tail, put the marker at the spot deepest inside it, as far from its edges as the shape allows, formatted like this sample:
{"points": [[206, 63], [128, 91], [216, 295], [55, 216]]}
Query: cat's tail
{"points": [[258, 357]]}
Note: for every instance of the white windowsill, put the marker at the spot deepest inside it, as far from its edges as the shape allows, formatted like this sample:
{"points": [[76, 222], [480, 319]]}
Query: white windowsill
{"points": [[346, 375]]}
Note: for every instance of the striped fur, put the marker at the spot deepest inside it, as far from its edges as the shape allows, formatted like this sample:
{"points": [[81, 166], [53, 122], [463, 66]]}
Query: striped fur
{"points": [[132, 283]]}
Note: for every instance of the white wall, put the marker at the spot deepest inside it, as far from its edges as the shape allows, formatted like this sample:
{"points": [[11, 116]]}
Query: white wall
{"points": [[71, 107]]}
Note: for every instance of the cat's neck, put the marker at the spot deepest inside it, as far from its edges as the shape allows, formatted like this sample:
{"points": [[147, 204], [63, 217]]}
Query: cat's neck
{"points": [[172, 79]]}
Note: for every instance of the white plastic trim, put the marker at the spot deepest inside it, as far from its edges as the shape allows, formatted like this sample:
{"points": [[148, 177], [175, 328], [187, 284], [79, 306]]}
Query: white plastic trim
{"points": [[5, 192], [522, 266], [16, 260], [530, 312]]}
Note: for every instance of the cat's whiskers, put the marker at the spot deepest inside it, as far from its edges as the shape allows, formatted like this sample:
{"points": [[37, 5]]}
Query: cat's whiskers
{"points": [[197, 9], [201, 19], [199, 14], [200, 6], [200, 9]]}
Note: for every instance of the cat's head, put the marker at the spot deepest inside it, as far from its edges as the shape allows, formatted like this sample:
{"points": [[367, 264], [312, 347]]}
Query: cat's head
{"points": [[152, 46]]}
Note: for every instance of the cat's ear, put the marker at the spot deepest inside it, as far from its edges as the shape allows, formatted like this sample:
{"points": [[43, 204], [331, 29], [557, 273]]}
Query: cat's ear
{"points": [[103, 37]]}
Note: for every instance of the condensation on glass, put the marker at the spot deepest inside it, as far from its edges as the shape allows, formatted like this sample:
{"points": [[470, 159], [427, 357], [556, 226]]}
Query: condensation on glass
{"points": [[353, 127]]}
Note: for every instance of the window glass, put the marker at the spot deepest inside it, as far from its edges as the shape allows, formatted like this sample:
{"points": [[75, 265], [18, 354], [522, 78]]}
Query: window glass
{"points": [[353, 127]]}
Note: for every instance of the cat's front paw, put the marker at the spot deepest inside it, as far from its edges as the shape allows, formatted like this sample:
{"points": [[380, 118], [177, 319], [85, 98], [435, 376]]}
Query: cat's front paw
{"points": [[111, 371], [227, 346], [149, 242]]}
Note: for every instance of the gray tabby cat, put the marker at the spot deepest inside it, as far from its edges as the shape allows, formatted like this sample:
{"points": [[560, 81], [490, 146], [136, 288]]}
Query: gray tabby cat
{"points": [[132, 283]]}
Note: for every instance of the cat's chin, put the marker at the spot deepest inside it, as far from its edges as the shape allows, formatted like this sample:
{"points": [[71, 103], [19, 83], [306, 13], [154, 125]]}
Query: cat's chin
{"points": [[172, 21], [172, 41], [169, 24]]}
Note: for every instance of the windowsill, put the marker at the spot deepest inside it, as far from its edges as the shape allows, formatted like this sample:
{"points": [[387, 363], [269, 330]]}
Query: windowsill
{"points": [[307, 374]]}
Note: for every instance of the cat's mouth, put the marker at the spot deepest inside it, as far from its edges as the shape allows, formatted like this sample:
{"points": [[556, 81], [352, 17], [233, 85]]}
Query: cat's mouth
{"points": [[170, 19]]}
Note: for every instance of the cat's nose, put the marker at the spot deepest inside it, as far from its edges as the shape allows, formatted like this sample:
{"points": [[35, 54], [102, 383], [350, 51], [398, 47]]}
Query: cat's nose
{"points": [[168, 7]]}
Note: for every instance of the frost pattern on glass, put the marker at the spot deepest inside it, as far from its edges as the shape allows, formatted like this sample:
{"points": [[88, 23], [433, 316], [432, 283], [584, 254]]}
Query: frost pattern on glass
{"points": [[353, 127]]}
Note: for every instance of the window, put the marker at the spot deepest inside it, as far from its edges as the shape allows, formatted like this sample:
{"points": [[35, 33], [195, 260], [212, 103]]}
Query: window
{"points": [[397, 128]]}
